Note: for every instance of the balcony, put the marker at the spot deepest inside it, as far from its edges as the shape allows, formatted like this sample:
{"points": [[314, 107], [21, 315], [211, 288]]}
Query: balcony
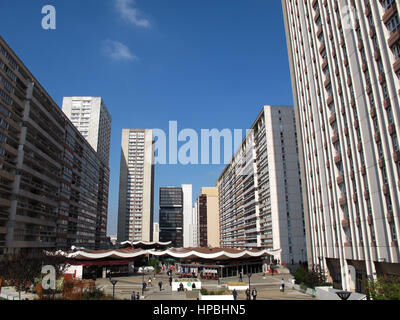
{"points": [[322, 48], [382, 78], [324, 64], [377, 55], [396, 156], [364, 67], [343, 201], [319, 31], [381, 162], [353, 102], [377, 137], [372, 112], [367, 11], [345, 223], [332, 118], [396, 66], [386, 103], [391, 129], [329, 100], [327, 81], [394, 38], [338, 158], [385, 189], [389, 216], [389, 13], [368, 89], [335, 138]]}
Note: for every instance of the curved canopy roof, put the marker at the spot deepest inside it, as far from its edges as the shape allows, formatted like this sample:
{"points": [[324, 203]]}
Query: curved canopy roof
{"points": [[143, 244], [181, 253]]}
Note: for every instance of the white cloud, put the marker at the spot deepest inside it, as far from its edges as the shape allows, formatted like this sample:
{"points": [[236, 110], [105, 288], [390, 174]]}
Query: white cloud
{"points": [[117, 51], [131, 14]]}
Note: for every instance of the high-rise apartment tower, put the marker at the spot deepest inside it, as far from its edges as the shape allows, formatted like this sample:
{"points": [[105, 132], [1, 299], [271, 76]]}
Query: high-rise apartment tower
{"points": [[136, 186], [345, 67], [260, 190]]}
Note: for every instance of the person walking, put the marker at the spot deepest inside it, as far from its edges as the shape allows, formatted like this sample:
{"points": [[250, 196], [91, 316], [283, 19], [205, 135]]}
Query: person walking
{"points": [[133, 296], [235, 294], [240, 276], [160, 285], [283, 285], [254, 294], [247, 294], [149, 282], [143, 287]]}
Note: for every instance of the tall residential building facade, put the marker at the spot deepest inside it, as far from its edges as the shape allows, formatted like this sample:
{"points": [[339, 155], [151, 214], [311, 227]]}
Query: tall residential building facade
{"points": [[54, 187], [136, 186], [156, 232], [171, 216], [260, 202], [208, 233], [187, 215], [346, 81], [91, 117], [194, 226]]}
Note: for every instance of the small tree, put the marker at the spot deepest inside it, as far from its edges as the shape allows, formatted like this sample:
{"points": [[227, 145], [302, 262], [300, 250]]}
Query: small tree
{"points": [[155, 264], [315, 277], [385, 288], [20, 269], [300, 274]]}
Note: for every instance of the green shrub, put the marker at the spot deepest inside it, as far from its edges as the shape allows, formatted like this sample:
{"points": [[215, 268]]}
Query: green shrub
{"points": [[95, 294], [300, 275], [205, 292], [385, 288], [155, 264]]}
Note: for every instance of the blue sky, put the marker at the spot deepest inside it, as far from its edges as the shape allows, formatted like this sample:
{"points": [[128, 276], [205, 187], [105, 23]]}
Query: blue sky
{"points": [[206, 64]]}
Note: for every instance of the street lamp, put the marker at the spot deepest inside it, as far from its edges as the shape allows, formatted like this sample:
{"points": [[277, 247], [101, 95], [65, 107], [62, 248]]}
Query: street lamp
{"points": [[113, 282], [343, 295], [249, 275]]}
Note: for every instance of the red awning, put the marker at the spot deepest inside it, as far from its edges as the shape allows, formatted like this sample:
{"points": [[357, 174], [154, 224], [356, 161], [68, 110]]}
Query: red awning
{"points": [[99, 262]]}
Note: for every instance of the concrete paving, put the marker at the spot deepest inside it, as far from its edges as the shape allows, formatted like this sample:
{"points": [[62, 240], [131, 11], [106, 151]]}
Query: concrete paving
{"points": [[268, 288]]}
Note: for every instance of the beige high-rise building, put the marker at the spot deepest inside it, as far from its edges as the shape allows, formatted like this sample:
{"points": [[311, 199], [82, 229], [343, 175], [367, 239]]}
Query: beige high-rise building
{"points": [[208, 218], [91, 117], [156, 232], [260, 189], [136, 188], [345, 67]]}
